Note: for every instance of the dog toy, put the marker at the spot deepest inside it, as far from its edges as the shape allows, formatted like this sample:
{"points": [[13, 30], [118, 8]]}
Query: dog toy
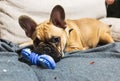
{"points": [[45, 61]]}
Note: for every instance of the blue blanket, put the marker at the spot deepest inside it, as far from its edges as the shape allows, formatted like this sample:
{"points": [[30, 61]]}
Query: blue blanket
{"points": [[98, 64]]}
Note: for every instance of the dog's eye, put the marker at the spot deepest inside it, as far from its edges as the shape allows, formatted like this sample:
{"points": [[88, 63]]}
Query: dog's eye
{"points": [[36, 41], [55, 39]]}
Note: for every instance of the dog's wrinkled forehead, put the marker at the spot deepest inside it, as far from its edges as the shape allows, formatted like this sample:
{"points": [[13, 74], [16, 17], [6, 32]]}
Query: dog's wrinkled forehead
{"points": [[47, 30], [42, 31]]}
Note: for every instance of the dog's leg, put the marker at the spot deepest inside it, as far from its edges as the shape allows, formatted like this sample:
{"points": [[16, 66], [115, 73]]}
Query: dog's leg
{"points": [[106, 38], [72, 48]]}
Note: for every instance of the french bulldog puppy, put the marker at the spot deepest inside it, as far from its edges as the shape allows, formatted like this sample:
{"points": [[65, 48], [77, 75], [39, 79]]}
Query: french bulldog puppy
{"points": [[57, 35]]}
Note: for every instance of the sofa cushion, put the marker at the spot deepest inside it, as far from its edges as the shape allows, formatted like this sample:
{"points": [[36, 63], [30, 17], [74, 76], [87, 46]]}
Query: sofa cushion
{"points": [[40, 10]]}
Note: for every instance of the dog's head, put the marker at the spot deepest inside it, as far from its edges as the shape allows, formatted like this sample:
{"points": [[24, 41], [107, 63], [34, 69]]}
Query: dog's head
{"points": [[49, 37]]}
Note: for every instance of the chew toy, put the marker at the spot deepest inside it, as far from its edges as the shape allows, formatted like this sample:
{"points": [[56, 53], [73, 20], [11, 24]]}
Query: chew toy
{"points": [[45, 61]]}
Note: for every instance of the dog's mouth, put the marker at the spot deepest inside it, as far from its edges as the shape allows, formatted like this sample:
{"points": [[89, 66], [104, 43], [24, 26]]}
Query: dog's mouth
{"points": [[48, 49]]}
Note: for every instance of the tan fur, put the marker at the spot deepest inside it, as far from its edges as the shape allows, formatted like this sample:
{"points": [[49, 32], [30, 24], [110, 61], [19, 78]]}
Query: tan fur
{"points": [[75, 35], [87, 33]]}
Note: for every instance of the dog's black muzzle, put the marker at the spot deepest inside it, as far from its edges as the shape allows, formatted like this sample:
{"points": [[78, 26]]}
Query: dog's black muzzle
{"points": [[48, 49]]}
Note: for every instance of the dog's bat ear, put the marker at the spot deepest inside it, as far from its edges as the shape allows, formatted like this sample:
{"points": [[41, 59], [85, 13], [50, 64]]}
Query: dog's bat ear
{"points": [[57, 16], [27, 24]]}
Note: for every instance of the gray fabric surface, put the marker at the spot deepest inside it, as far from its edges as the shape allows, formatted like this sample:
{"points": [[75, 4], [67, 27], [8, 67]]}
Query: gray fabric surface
{"points": [[10, 68], [97, 64]]}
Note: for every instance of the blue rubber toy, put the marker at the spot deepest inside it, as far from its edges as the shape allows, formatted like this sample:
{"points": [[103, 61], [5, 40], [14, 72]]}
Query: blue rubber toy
{"points": [[45, 61]]}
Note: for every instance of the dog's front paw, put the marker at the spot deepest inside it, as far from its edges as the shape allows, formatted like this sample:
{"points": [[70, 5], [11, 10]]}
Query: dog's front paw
{"points": [[85, 48], [71, 49]]}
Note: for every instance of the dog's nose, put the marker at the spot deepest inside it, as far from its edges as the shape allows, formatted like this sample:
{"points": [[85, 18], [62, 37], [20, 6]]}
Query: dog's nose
{"points": [[47, 49]]}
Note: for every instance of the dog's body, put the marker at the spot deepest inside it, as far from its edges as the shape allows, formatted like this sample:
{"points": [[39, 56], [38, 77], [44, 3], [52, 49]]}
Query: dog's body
{"points": [[87, 33], [59, 35]]}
